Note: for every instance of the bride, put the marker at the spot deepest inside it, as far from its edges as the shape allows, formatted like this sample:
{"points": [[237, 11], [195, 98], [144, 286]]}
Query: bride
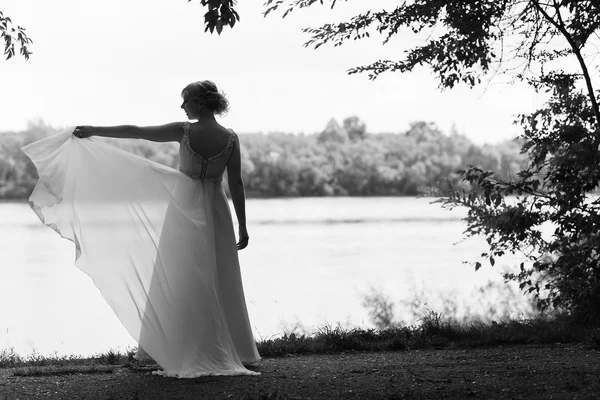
{"points": [[158, 243]]}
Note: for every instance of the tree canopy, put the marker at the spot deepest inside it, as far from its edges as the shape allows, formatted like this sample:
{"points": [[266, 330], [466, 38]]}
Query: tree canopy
{"points": [[463, 39], [220, 13], [287, 165]]}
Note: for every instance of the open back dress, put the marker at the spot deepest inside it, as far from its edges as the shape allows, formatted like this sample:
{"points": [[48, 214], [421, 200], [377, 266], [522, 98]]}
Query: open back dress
{"points": [[158, 243]]}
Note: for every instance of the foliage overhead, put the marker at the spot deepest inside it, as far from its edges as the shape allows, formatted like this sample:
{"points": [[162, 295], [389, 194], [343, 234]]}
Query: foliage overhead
{"points": [[220, 13], [463, 38], [12, 35]]}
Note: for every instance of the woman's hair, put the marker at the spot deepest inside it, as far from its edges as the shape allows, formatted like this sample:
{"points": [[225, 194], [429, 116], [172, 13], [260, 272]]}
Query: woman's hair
{"points": [[209, 96]]}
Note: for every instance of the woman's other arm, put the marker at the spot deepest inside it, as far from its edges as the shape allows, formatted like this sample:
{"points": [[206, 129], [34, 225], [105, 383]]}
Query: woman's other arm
{"points": [[161, 133], [238, 195]]}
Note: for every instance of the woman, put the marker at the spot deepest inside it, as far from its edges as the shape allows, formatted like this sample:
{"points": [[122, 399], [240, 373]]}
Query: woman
{"points": [[168, 263]]}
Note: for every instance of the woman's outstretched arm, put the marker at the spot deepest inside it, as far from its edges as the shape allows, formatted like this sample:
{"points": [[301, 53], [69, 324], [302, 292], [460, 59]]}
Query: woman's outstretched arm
{"points": [[238, 195], [161, 133]]}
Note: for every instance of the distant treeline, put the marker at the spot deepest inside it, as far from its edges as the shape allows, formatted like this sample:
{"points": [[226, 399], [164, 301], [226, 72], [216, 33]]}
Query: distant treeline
{"points": [[343, 160]]}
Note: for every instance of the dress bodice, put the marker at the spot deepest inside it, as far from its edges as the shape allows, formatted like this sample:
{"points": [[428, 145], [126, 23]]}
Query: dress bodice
{"points": [[196, 166]]}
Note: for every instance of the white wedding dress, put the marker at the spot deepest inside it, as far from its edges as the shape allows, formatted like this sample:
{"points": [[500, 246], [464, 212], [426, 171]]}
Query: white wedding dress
{"points": [[158, 243]]}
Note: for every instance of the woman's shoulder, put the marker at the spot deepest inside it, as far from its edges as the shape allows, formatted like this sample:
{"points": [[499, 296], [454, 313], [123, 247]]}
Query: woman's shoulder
{"points": [[232, 133]]}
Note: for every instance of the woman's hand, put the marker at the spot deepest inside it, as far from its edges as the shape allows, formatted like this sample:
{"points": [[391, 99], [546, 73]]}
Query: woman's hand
{"points": [[243, 242], [83, 131]]}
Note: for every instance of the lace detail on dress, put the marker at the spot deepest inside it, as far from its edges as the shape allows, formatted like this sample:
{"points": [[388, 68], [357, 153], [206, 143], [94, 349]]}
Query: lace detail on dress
{"points": [[214, 159], [201, 175], [204, 168], [199, 169]]}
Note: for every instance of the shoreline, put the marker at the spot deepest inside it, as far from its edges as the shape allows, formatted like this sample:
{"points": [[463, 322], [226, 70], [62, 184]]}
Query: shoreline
{"points": [[529, 358], [434, 332]]}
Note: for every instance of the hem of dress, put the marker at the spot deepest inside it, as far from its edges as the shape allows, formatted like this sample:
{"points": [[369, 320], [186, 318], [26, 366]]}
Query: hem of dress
{"points": [[38, 210], [233, 372], [254, 363]]}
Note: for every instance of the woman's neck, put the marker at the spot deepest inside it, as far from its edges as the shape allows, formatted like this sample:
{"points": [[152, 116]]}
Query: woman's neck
{"points": [[206, 116]]}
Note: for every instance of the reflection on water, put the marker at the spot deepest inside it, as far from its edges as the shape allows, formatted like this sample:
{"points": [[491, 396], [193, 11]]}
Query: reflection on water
{"points": [[309, 262]]}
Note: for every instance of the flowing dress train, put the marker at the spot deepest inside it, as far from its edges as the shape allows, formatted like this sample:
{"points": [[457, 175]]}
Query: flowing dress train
{"points": [[158, 243]]}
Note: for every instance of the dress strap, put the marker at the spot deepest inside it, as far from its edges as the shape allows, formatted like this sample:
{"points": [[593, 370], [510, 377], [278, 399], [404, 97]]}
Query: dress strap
{"points": [[230, 143], [186, 129]]}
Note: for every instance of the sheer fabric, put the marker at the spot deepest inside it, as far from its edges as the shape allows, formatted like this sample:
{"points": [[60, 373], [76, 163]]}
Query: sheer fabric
{"points": [[158, 244]]}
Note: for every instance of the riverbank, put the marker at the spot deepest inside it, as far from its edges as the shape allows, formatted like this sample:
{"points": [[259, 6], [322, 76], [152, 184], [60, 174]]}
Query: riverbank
{"points": [[500, 372], [537, 358]]}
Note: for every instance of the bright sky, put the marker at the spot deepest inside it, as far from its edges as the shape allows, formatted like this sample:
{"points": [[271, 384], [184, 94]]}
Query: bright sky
{"points": [[125, 62]]}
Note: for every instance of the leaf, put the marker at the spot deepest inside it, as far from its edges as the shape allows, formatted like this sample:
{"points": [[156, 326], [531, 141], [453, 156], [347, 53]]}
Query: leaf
{"points": [[477, 266], [498, 200]]}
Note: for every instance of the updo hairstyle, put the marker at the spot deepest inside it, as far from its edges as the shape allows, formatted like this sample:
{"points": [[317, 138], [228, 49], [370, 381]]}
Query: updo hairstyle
{"points": [[208, 95]]}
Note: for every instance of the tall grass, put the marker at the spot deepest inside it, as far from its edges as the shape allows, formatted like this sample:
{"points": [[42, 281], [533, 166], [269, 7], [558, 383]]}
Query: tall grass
{"points": [[503, 317], [56, 364], [491, 302], [432, 332]]}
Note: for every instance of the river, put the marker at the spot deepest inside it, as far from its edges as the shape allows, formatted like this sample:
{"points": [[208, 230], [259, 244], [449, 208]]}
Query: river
{"points": [[310, 262]]}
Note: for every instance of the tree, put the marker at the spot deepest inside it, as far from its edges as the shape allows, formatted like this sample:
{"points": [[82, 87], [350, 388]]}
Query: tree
{"points": [[220, 13], [355, 127], [423, 131], [333, 132], [528, 40]]}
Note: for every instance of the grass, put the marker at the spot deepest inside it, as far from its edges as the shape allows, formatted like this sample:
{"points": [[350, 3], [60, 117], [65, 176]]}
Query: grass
{"points": [[55, 364], [62, 370], [433, 332]]}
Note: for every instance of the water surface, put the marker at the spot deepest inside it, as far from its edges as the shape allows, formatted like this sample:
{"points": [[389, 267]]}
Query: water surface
{"points": [[309, 262]]}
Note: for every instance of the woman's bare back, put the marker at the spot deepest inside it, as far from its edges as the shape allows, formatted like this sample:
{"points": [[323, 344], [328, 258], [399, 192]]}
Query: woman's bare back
{"points": [[208, 140]]}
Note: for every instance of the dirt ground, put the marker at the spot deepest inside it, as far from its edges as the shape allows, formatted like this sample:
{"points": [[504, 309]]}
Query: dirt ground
{"points": [[515, 372]]}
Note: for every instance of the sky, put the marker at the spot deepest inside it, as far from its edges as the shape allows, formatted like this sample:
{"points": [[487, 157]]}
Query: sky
{"points": [[118, 62]]}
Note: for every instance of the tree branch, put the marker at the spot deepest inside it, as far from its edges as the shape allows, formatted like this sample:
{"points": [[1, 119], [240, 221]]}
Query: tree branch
{"points": [[12, 35], [560, 25]]}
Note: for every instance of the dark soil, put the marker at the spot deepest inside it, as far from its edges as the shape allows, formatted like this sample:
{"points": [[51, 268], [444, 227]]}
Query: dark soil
{"points": [[514, 372]]}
